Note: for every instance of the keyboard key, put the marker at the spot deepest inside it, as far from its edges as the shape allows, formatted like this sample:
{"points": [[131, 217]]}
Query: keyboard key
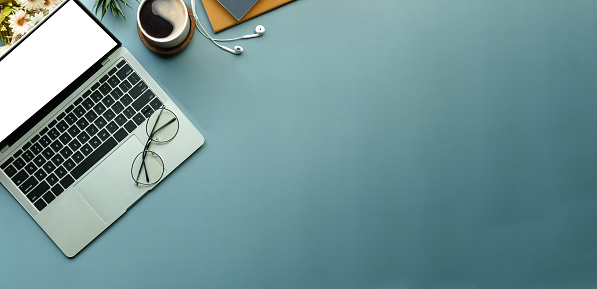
{"points": [[113, 81], [120, 135], [90, 116], [117, 107], [56, 146], [36, 193], [103, 79], [109, 114], [95, 86], [74, 145], [105, 89], [125, 85], [108, 100], [121, 63], [143, 100], [100, 122], [130, 126], [124, 72], [48, 197], [129, 112], [31, 168], [52, 179], [49, 167], [100, 108], [60, 172], [65, 138], [40, 205], [126, 100], [83, 137], [138, 89], [86, 149], [18, 163], [74, 130], [48, 153], [57, 190], [120, 120], [44, 131], [44, 141], [69, 164], [87, 104], [66, 152], [112, 71], [96, 97], [28, 185], [112, 127], [147, 111], [7, 163], [79, 111], [52, 123], [94, 142], [78, 157], [134, 78], [91, 129], [70, 118], [57, 160], [138, 118], [36, 149], [18, 153], [82, 123], [10, 171], [67, 181], [28, 155], [39, 160], [53, 134], [62, 126], [93, 158], [40, 174], [27, 146], [70, 108], [19, 178], [103, 134]]}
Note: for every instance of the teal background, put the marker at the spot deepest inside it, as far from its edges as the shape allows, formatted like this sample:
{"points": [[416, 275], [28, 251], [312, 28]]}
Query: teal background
{"points": [[361, 144]]}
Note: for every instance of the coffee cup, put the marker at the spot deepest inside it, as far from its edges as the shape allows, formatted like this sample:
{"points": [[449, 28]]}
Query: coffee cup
{"points": [[164, 23]]}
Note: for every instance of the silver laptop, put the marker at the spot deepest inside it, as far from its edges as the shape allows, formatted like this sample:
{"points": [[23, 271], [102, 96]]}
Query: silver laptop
{"points": [[85, 131]]}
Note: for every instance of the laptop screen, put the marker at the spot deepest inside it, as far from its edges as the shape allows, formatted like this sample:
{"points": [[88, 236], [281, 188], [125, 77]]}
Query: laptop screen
{"points": [[48, 60]]}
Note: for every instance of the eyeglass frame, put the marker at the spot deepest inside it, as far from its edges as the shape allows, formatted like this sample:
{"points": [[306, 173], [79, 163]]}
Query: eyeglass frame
{"points": [[150, 139]]}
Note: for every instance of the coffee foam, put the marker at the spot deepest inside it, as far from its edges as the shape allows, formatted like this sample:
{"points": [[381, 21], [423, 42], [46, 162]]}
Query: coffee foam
{"points": [[172, 11]]}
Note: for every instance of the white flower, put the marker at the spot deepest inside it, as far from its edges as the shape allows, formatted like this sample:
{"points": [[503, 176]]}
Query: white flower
{"points": [[19, 23], [50, 4], [36, 18], [31, 4]]}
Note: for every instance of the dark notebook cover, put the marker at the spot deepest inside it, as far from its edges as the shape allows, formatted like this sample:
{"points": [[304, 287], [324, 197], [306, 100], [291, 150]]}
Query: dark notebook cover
{"points": [[238, 8], [221, 19]]}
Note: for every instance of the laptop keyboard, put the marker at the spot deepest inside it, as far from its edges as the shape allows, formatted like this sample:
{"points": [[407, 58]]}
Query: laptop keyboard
{"points": [[81, 135]]}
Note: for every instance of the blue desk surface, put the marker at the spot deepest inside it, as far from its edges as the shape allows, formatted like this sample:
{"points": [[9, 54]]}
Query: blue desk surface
{"points": [[362, 144]]}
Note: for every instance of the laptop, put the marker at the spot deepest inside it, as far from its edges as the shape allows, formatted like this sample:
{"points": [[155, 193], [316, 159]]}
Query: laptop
{"points": [[86, 132]]}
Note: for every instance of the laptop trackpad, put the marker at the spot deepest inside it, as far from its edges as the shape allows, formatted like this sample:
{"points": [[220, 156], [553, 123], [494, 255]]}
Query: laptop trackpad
{"points": [[109, 188]]}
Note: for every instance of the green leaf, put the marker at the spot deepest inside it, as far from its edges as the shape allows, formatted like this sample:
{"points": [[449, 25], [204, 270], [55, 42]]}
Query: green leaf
{"points": [[112, 5], [5, 12]]}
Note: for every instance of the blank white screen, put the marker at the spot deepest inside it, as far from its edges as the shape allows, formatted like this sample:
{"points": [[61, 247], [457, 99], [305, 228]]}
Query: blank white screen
{"points": [[46, 62]]}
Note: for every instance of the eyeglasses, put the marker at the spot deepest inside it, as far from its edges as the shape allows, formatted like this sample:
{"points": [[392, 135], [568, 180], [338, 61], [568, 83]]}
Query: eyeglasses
{"points": [[148, 167]]}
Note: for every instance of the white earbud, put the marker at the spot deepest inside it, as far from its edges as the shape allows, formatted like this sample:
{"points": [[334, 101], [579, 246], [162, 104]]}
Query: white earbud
{"points": [[259, 30]]}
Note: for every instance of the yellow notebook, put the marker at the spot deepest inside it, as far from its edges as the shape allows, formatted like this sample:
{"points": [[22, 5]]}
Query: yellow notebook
{"points": [[221, 19]]}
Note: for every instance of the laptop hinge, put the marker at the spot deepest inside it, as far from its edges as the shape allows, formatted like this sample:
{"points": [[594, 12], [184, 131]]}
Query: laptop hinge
{"points": [[4, 149], [105, 61]]}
